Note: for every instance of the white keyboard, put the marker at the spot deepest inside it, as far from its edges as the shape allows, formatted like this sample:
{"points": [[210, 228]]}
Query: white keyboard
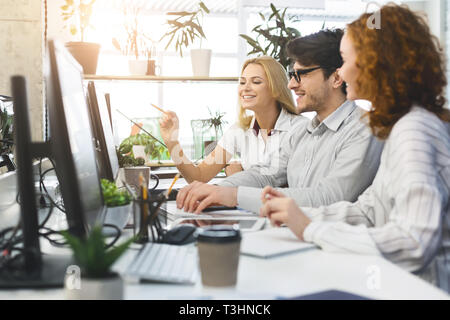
{"points": [[165, 263]]}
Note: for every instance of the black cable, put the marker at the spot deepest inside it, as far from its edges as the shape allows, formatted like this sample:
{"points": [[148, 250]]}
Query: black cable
{"points": [[119, 233], [42, 185]]}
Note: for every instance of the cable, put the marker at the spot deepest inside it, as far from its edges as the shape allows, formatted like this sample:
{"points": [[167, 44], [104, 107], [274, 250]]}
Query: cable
{"points": [[42, 185], [119, 233]]}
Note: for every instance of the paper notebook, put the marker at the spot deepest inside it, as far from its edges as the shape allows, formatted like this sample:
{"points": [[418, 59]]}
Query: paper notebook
{"points": [[272, 242], [171, 209]]}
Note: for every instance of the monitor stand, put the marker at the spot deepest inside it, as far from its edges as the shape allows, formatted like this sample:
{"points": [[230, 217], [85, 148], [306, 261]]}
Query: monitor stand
{"points": [[51, 274]]}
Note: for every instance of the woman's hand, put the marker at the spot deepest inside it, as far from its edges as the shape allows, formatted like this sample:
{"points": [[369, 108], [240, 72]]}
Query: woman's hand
{"points": [[281, 210], [169, 127], [233, 167]]}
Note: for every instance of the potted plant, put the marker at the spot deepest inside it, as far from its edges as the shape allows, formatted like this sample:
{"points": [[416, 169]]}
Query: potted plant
{"points": [[78, 13], [118, 203], [137, 45], [207, 133], [94, 261], [6, 135], [185, 28], [140, 146], [134, 152], [275, 35]]}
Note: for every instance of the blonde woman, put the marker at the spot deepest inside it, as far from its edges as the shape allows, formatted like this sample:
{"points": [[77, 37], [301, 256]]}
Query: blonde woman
{"points": [[262, 89]]}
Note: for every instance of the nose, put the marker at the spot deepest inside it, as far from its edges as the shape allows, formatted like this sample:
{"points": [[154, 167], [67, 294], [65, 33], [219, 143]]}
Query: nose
{"points": [[293, 84]]}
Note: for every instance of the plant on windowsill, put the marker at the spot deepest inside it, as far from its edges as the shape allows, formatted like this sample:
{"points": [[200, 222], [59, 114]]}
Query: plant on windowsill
{"points": [[185, 27], [78, 15], [94, 262], [210, 130], [275, 34], [136, 44]]}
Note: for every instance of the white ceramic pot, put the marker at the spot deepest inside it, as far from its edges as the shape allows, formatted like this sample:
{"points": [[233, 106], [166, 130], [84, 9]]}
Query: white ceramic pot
{"points": [[118, 216], [137, 67], [201, 61], [94, 289]]}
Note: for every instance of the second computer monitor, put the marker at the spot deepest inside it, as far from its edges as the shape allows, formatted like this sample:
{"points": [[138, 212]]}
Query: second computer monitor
{"points": [[106, 151]]}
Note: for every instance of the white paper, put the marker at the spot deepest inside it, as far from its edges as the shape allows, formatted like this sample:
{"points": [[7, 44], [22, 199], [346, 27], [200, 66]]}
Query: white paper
{"points": [[272, 242]]}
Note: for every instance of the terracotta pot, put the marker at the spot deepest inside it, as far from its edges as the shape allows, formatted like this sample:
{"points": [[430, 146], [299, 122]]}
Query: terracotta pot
{"points": [[86, 53]]}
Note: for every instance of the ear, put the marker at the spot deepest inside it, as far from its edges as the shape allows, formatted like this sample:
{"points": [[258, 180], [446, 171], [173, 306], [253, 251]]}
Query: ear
{"points": [[336, 79]]}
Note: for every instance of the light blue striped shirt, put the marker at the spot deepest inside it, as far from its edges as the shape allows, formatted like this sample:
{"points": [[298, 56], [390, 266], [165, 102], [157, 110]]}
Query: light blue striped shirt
{"points": [[321, 163]]}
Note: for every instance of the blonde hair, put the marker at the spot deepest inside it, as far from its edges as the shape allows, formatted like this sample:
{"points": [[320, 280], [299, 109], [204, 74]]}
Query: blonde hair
{"points": [[278, 85]]}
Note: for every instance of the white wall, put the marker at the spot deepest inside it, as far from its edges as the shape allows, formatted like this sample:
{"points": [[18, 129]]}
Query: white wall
{"points": [[22, 52]]}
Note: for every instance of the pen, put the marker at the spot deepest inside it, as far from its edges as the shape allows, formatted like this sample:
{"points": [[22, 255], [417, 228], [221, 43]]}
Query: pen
{"points": [[157, 108], [171, 186], [143, 230]]}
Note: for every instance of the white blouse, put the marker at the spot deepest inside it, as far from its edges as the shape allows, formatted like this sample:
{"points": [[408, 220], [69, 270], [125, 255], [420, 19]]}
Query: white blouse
{"points": [[249, 144]]}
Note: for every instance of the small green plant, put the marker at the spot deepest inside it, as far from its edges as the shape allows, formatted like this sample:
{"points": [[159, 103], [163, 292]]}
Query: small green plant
{"points": [[79, 12], [186, 27], [112, 196], [6, 134], [152, 148], [275, 35], [92, 255]]}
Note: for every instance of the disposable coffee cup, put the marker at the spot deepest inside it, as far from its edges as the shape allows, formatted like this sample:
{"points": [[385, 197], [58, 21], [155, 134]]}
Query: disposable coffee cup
{"points": [[218, 252]]}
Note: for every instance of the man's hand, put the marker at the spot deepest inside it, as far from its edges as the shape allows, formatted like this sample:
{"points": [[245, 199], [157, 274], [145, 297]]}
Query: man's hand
{"points": [[198, 196], [285, 211]]}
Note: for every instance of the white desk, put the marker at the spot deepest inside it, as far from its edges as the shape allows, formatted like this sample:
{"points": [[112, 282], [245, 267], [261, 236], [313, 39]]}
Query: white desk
{"points": [[290, 275]]}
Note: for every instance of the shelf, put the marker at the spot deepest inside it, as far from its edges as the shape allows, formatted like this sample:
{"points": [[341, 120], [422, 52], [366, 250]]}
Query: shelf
{"points": [[159, 78]]}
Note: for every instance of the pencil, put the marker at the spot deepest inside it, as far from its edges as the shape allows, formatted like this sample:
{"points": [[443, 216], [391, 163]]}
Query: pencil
{"points": [[157, 108], [171, 186]]}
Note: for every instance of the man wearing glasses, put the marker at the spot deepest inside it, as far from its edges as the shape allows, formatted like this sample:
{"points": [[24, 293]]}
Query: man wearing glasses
{"points": [[333, 158]]}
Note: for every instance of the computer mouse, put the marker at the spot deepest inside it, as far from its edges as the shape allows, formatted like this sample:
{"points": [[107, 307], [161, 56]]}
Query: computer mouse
{"points": [[181, 234]]}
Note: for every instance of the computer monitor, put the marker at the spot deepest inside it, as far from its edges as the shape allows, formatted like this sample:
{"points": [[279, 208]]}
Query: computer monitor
{"points": [[29, 269], [72, 142], [71, 147], [108, 163]]}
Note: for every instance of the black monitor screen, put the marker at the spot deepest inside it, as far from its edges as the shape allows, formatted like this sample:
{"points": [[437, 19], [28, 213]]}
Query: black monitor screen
{"points": [[107, 156], [71, 138]]}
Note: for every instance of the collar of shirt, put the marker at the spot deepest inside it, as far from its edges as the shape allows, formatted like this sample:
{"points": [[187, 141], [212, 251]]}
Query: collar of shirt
{"points": [[334, 120], [283, 123]]}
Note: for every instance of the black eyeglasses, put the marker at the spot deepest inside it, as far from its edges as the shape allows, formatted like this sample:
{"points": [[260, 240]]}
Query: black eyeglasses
{"points": [[296, 74]]}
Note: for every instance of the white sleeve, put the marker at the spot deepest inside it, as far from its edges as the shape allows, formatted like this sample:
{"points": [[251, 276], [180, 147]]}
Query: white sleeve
{"points": [[231, 140]]}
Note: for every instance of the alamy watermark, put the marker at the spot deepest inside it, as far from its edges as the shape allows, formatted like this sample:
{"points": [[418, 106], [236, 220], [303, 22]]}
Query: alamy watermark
{"points": [[374, 20], [373, 281], [73, 278]]}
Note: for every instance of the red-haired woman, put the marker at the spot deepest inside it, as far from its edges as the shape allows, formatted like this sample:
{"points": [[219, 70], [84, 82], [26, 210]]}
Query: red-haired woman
{"points": [[404, 215]]}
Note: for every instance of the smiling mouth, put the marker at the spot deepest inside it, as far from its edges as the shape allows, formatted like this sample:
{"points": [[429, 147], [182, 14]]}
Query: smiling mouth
{"points": [[248, 97]]}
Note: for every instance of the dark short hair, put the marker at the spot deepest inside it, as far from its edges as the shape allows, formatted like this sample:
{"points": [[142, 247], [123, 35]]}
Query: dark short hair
{"points": [[321, 48]]}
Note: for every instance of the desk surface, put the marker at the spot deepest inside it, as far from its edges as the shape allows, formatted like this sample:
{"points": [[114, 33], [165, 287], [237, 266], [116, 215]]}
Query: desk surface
{"points": [[288, 276]]}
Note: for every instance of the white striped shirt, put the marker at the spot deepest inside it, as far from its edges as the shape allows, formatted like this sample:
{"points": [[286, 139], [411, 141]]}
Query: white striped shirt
{"points": [[405, 214]]}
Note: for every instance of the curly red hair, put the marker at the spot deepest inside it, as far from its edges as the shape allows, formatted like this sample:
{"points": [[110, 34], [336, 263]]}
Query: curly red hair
{"points": [[400, 64]]}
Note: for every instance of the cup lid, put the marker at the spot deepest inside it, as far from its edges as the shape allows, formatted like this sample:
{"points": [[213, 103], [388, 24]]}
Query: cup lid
{"points": [[218, 234]]}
